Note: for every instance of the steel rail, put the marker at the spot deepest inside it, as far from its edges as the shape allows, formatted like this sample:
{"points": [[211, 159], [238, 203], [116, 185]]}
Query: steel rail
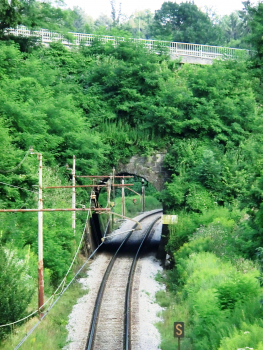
{"points": [[127, 318], [92, 332]]}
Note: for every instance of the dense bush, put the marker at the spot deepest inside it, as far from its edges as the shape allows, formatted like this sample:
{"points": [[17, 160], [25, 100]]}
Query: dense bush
{"points": [[217, 299], [16, 287], [249, 337]]}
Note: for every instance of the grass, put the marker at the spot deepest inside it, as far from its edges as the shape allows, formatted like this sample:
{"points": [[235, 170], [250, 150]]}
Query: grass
{"points": [[174, 312], [132, 209], [214, 298], [51, 334]]}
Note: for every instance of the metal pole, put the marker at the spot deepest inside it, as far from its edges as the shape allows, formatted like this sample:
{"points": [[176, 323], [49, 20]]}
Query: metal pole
{"points": [[123, 198], [74, 194], [179, 343], [40, 239], [108, 192], [109, 225], [113, 190], [113, 197], [143, 196]]}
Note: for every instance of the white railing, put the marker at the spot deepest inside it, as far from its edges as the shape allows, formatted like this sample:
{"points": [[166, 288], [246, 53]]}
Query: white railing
{"points": [[175, 48]]}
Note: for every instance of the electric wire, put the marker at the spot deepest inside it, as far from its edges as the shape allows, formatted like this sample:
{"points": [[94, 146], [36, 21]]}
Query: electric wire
{"points": [[21, 188], [11, 170], [53, 304], [80, 242], [59, 296], [62, 283], [33, 313]]}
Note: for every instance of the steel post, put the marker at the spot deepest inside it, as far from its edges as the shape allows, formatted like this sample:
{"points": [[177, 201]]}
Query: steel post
{"points": [[143, 196], [113, 197], [113, 183], [40, 239], [123, 198], [74, 194]]}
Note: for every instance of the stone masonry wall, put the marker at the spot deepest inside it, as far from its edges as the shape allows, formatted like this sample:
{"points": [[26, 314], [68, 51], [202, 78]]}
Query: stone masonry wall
{"points": [[149, 167]]}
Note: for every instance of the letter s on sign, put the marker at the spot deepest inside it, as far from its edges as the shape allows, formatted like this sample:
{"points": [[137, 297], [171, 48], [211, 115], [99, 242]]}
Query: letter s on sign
{"points": [[178, 329]]}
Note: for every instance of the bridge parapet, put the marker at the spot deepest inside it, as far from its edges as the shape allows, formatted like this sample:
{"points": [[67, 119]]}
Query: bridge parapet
{"points": [[202, 54]]}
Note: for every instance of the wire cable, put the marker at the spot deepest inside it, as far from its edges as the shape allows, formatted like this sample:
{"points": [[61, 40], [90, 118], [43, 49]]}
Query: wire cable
{"points": [[62, 283], [22, 161], [80, 242], [21, 188], [53, 304], [32, 313]]}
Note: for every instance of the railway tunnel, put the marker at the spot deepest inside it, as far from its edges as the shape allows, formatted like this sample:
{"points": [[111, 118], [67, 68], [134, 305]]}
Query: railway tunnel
{"points": [[148, 168]]}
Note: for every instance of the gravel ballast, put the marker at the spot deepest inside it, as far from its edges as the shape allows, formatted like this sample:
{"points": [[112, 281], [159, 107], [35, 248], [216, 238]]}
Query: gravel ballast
{"points": [[145, 336]]}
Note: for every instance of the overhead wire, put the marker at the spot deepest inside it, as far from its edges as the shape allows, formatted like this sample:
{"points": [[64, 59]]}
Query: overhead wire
{"points": [[62, 283], [80, 242], [11, 170], [21, 188], [60, 295], [28, 316]]}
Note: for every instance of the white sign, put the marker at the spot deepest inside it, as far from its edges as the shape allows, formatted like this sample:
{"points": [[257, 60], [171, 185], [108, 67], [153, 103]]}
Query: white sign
{"points": [[169, 219]]}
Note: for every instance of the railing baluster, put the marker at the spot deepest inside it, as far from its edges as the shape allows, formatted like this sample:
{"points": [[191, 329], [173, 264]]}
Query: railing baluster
{"points": [[184, 49]]}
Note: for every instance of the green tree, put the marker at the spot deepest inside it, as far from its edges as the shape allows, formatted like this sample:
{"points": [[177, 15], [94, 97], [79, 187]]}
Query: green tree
{"points": [[139, 24], [232, 27], [184, 22], [10, 14], [35, 14]]}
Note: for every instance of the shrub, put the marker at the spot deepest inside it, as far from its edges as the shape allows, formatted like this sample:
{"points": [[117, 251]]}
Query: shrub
{"points": [[249, 337], [238, 288], [16, 288], [215, 294]]}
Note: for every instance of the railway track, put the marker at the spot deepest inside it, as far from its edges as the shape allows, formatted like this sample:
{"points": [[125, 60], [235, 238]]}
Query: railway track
{"points": [[110, 327]]}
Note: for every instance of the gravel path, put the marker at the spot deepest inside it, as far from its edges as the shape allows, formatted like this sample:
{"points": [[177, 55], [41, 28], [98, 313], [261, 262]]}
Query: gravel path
{"points": [[144, 309]]}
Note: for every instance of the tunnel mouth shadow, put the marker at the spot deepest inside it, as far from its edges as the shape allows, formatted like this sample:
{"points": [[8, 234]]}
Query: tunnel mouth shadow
{"points": [[131, 246]]}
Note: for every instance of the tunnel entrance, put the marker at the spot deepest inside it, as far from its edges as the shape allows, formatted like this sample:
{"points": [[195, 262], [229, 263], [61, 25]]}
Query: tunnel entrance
{"points": [[135, 195]]}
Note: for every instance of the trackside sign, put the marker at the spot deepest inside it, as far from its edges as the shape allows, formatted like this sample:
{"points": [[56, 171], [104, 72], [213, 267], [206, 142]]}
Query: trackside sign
{"points": [[178, 329], [169, 219]]}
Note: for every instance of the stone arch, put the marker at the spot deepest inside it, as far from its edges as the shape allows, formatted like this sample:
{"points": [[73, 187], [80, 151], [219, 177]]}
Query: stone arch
{"points": [[150, 168]]}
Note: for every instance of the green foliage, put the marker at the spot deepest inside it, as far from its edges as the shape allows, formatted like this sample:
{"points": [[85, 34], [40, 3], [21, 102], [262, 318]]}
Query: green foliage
{"points": [[105, 103], [20, 230], [184, 22], [52, 333], [216, 224], [139, 24], [215, 296], [10, 14], [237, 289], [16, 287], [256, 25], [40, 14], [132, 209], [249, 337]]}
